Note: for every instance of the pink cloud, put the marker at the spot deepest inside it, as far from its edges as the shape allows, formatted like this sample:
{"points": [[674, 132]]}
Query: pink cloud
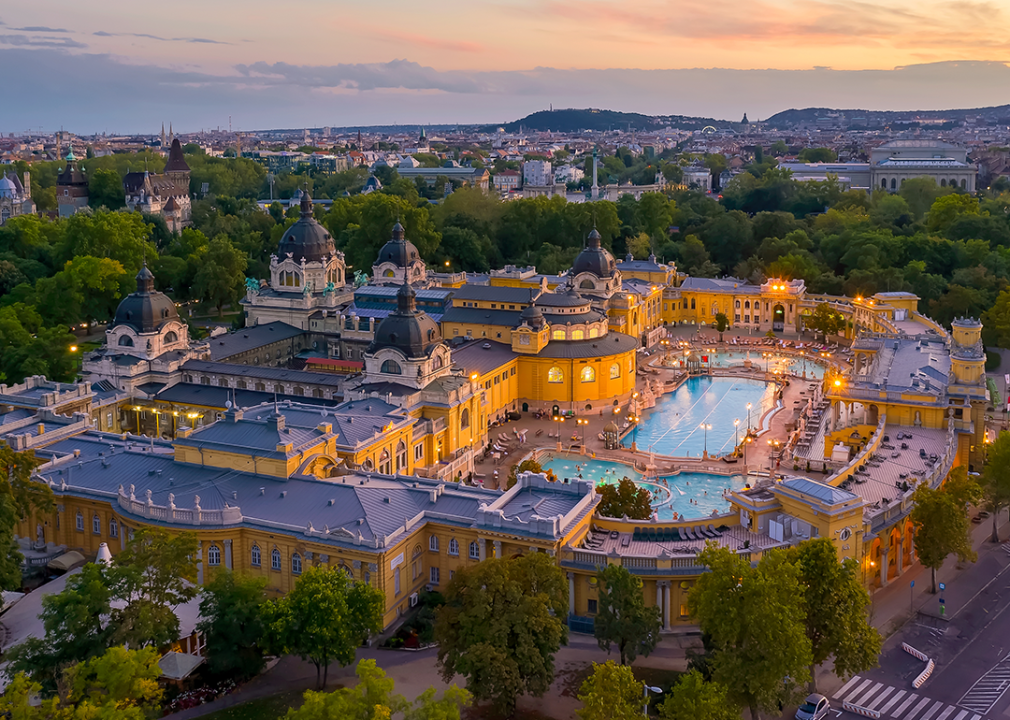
{"points": [[425, 41]]}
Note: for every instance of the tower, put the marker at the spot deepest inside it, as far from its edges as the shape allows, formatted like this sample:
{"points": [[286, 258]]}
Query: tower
{"points": [[595, 195], [967, 384]]}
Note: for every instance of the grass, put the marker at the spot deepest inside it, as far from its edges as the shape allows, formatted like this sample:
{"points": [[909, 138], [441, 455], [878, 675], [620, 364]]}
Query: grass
{"points": [[268, 708]]}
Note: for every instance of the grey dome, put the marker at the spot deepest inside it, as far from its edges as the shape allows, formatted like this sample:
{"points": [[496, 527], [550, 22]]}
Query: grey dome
{"points": [[532, 316], [594, 259], [146, 310], [406, 329], [399, 251], [306, 238]]}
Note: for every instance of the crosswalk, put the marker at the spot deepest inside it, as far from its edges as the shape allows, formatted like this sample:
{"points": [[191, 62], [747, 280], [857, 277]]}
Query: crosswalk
{"points": [[989, 688], [902, 704]]}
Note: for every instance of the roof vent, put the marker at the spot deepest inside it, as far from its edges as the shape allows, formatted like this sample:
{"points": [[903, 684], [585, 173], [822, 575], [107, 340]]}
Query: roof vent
{"points": [[263, 491], [284, 493], [386, 500], [234, 495]]}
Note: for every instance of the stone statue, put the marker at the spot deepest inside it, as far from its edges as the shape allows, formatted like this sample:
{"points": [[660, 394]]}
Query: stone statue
{"points": [[252, 285], [306, 291], [329, 289], [360, 278]]}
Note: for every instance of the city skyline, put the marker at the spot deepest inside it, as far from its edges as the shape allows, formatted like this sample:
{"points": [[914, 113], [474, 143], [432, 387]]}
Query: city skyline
{"points": [[118, 70]]}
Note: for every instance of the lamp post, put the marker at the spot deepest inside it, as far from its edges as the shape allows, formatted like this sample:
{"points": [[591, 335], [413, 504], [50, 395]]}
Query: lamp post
{"points": [[583, 422], [645, 694], [749, 406], [559, 420], [736, 434], [746, 442], [706, 428]]}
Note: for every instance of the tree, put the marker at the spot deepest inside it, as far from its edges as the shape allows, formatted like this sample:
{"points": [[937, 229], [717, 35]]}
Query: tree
{"points": [[825, 320], [919, 193], [945, 210], [326, 618], [625, 499], [501, 625], [152, 576], [692, 698], [623, 618], [996, 480], [233, 624], [837, 623], [611, 693], [754, 618], [817, 155], [372, 698], [527, 466], [221, 274], [940, 521], [721, 324], [20, 496], [105, 190]]}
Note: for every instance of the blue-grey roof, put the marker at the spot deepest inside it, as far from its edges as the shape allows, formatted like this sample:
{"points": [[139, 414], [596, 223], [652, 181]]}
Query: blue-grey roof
{"points": [[215, 397], [494, 293], [542, 502], [274, 374], [225, 346], [482, 357], [480, 316], [720, 285], [613, 343], [825, 493]]}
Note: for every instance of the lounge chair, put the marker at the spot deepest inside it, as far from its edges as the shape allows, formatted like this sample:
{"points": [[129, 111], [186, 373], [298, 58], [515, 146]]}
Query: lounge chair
{"points": [[688, 533], [714, 533]]}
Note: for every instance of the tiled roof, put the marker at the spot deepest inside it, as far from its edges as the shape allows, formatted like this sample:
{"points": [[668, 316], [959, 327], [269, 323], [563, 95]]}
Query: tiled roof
{"points": [[224, 346]]}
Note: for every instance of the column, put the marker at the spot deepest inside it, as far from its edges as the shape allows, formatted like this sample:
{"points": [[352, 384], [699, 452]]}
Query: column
{"points": [[356, 564], [571, 593], [669, 610], [199, 563], [482, 545], [227, 554], [899, 561], [123, 532], [883, 566], [497, 549], [659, 596]]}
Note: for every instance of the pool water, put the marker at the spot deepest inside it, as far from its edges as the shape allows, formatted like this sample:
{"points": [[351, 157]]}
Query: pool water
{"points": [[777, 363], [690, 495], [673, 427]]}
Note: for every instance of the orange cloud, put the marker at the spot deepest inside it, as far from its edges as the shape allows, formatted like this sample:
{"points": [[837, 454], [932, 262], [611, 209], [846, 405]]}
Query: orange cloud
{"points": [[424, 41]]}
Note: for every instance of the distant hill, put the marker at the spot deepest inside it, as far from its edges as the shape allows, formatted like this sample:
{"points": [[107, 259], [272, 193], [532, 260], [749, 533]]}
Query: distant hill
{"points": [[573, 120], [790, 118]]}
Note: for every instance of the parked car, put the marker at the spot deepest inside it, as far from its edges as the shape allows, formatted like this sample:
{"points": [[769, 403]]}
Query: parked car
{"points": [[814, 707]]}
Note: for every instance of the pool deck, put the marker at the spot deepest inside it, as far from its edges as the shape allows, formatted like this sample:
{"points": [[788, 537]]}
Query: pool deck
{"points": [[623, 545]]}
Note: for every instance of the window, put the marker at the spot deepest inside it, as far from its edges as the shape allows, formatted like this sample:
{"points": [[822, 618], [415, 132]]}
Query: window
{"points": [[464, 419], [223, 382], [578, 335], [592, 606], [416, 564], [684, 613], [418, 451], [213, 555], [692, 303], [615, 371], [454, 547], [275, 559], [433, 576], [588, 374], [296, 564], [433, 543], [391, 367], [125, 341], [171, 337], [396, 581], [80, 521], [558, 335], [554, 375], [113, 528], [474, 550], [255, 556]]}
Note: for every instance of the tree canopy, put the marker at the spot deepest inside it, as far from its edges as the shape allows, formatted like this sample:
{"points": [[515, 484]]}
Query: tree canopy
{"points": [[940, 519], [623, 619], [624, 499]]}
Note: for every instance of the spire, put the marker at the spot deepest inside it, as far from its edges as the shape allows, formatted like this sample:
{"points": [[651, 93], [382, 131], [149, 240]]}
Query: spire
{"points": [[594, 237], [176, 159], [398, 232], [145, 280], [406, 299], [306, 205]]}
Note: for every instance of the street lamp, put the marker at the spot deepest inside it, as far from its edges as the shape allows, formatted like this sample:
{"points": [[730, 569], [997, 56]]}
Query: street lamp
{"points": [[706, 428], [559, 420], [583, 422], [749, 406], [736, 434], [645, 694]]}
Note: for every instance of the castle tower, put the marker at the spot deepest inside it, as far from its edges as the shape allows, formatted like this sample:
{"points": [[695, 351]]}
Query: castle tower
{"points": [[967, 355]]}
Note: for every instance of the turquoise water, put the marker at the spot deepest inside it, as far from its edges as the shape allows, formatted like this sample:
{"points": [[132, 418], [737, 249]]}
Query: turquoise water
{"points": [[776, 362], [690, 495], [673, 427]]}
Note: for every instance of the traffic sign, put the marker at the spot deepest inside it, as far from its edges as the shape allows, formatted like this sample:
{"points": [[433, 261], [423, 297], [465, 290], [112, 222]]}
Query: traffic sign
{"points": [[942, 586], [912, 584], [941, 601]]}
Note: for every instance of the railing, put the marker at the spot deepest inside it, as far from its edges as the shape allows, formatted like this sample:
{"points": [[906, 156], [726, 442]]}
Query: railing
{"points": [[584, 557], [639, 562], [172, 514]]}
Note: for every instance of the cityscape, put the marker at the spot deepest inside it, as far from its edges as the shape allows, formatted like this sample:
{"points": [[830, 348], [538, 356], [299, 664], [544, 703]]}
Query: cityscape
{"points": [[643, 403]]}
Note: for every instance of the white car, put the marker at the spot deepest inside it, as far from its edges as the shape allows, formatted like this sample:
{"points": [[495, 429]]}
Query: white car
{"points": [[814, 707]]}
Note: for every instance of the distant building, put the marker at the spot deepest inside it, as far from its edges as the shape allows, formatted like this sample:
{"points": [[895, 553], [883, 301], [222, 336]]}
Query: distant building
{"points": [[506, 181], [166, 194], [477, 178], [15, 197], [698, 177], [537, 173], [71, 187], [894, 162]]}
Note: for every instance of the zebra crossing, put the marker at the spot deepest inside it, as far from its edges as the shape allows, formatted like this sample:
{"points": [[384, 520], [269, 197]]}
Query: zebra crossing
{"points": [[901, 704], [989, 688]]}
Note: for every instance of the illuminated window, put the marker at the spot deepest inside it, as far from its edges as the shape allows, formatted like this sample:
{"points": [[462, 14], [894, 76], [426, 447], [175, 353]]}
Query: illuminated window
{"points": [[558, 335], [615, 371], [554, 375], [588, 374], [578, 335], [593, 332]]}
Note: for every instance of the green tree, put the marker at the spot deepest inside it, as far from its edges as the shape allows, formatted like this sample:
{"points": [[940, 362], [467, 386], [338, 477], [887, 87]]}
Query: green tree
{"points": [[20, 496], [501, 625], [920, 193], [527, 466], [837, 623], [825, 320], [817, 155], [625, 499], [105, 190], [326, 618], [221, 274], [692, 698], [995, 480], [611, 693], [640, 246], [105, 234], [940, 521], [233, 623], [153, 575], [721, 323], [754, 618], [945, 210], [623, 618]]}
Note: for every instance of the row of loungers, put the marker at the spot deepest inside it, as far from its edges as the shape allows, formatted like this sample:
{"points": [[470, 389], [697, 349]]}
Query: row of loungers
{"points": [[699, 532]]}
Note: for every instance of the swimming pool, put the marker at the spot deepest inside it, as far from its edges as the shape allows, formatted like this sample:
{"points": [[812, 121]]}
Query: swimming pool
{"points": [[690, 495], [673, 427], [776, 362]]}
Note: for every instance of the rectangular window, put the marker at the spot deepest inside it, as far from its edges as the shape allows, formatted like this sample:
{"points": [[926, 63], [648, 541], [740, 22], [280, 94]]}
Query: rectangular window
{"points": [[396, 581], [592, 607], [108, 421], [452, 574], [433, 575], [513, 372], [418, 451], [737, 317], [683, 611]]}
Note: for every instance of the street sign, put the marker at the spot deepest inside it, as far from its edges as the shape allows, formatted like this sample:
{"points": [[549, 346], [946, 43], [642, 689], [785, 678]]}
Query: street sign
{"points": [[912, 584], [941, 601], [942, 586]]}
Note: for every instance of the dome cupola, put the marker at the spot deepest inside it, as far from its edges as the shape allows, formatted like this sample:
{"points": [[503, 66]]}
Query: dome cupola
{"points": [[594, 258], [306, 239], [407, 329], [399, 251], [145, 310]]}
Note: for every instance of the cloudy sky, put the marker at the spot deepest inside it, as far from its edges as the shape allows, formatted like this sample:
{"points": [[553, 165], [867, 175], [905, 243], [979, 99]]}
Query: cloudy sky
{"points": [[121, 66]]}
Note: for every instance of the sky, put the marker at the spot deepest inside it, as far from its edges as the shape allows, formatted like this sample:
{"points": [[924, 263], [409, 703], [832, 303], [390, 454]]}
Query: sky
{"points": [[126, 67]]}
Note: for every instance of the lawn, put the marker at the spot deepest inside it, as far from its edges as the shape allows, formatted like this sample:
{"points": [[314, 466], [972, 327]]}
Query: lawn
{"points": [[268, 708]]}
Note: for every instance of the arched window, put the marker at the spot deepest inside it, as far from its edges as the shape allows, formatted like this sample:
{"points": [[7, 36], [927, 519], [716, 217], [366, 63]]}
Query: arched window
{"points": [[578, 335], [964, 184], [125, 341], [692, 303], [554, 375], [588, 374], [368, 465], [587, 284], [593, 332], [894, 184], [883, 183], [391, 367], [213, 555], [943, 183], [737, 305], [113, 528], [96, 524], [558, 335], [171, 337], [255, 558], [474, 550], [437, 362], [615, 371], [275, 559], [453, 547], [296, 564], [464, 419], [80, 520], [746, 305], [433, 543]]}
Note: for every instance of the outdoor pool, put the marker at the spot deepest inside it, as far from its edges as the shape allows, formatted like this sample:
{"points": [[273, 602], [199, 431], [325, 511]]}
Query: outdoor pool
{"points": [[674, 426], [776, 362], [690, 495]]}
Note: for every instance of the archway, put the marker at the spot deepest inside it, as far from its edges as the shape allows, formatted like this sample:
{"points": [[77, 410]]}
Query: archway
{"points": [[778, 318], [555, 411], [526, 407], [873, 415]]}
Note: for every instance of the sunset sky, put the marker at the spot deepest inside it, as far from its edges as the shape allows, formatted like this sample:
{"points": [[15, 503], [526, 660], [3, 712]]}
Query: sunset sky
{"points": [[122, 66]]}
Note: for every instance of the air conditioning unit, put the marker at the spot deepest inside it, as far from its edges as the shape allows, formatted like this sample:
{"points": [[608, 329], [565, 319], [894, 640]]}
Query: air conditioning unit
{"points": [[429, 588], [413, 599]]}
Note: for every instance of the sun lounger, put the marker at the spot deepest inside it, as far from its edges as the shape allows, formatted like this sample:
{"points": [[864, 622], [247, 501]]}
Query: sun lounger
{"points": [[715, 533]]}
